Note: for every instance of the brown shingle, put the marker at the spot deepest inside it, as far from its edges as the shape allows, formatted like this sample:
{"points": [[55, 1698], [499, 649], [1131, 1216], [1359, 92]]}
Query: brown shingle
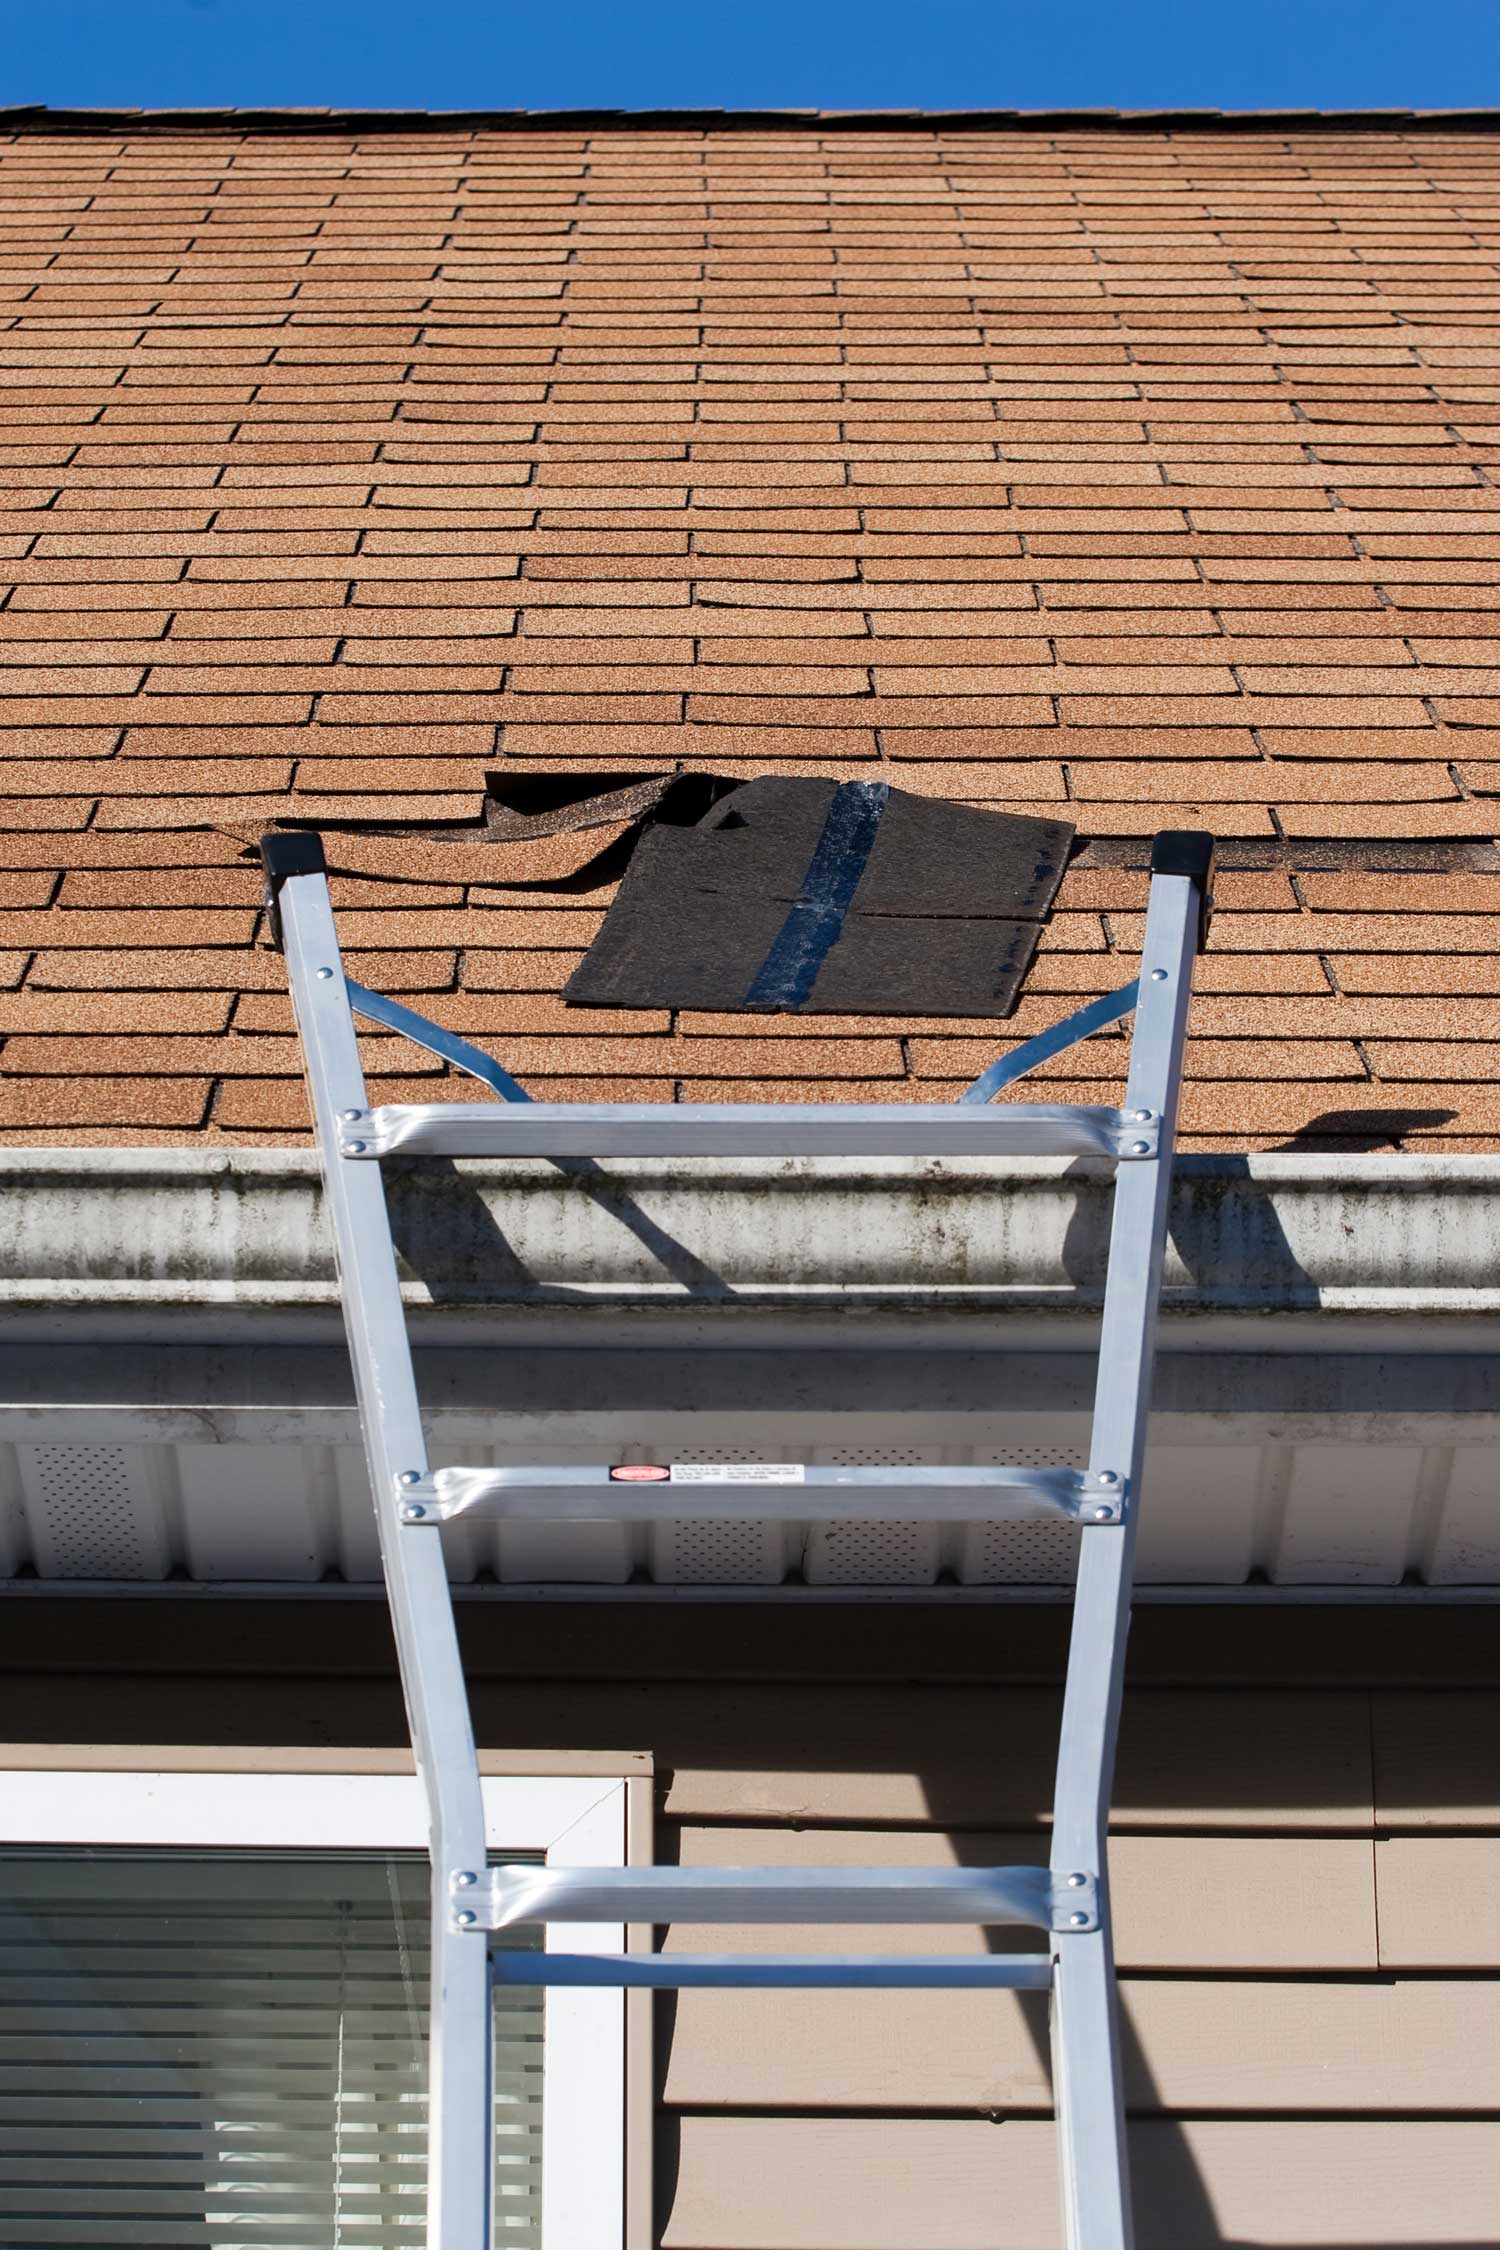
{"points": [[91, 1015], [40, 1103], [221, 969], [1252, 1058]]}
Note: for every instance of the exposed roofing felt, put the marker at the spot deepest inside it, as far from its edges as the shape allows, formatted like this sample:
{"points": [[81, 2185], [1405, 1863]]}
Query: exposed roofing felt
{"points": [[1133, 477]]}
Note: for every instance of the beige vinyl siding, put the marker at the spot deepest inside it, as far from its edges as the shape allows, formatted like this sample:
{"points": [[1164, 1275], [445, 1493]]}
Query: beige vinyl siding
{"points": [[1310, 1954], [968, 1756], [1258, 2046], [1285, 2087], [1435, 1759], [1439, 1899], [857, 2184]]}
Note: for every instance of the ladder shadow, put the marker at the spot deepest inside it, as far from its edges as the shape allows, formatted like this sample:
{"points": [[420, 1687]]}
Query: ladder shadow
{"points": [[448, 1236], [1362, 1132], [1220, 1223], [1174, 2178]]}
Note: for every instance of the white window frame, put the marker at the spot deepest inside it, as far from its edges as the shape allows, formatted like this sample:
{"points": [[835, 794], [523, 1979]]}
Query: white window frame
{"points": [[577, 1821]]}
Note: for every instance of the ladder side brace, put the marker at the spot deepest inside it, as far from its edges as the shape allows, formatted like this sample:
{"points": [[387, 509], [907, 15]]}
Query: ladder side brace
{"points": [[470, 1903]]}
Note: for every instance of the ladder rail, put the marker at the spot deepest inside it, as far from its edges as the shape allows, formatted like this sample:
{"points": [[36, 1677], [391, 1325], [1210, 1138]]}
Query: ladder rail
{"points": [[459, 2040], [1090, 2103]]}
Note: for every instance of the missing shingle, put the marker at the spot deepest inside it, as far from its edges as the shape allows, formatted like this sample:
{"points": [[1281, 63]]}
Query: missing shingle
{"points": [[518, 805], [1310, 855]]}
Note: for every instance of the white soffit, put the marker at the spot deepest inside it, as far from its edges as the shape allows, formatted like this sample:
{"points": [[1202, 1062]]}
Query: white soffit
{"points": [[175, 1404]]}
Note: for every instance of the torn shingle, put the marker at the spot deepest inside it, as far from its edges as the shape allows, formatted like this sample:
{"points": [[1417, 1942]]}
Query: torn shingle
{"points": [[524, 836]]}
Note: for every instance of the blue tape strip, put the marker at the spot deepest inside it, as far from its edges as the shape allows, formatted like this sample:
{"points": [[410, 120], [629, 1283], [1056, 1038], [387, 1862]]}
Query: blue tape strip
{"points": [[1048, 1043], [802, 944], [437, 1041]]}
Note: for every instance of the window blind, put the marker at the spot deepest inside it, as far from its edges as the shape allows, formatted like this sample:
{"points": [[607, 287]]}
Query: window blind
{"points": [[222, 2048]]}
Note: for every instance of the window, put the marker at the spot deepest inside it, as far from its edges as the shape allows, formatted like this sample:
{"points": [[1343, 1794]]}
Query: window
{"points": [[215, 2015]]}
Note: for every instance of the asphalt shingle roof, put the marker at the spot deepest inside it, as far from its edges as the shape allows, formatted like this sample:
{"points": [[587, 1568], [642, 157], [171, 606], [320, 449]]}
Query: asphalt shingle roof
{"points": [[1133, 471]]}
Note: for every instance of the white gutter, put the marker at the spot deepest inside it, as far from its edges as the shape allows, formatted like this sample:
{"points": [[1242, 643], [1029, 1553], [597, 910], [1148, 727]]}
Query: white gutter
{"points": [[84, 1229]]}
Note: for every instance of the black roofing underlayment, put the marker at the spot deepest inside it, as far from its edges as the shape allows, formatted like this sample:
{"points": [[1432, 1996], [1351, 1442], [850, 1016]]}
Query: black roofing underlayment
{"points": [[830, 898], [30, 115]]}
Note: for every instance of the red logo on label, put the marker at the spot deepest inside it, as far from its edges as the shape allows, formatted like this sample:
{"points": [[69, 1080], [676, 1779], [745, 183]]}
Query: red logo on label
{"points": [[635, 1473]]}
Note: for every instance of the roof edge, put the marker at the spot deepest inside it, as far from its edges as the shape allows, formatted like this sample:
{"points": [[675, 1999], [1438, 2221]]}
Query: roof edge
{"points": [[33, 116]]}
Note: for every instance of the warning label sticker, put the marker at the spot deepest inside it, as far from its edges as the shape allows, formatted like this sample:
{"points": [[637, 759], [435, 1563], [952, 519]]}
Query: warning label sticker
{"points": [[738, 1472]]}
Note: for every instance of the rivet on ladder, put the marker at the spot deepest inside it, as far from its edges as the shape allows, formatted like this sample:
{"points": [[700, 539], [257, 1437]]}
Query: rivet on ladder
{"points": [[409, 1476], [1158, 976], [413, 1514], [1076, 1882], [1103, 1515], [466, 1920], [1137, 1148], [323, 975], [465, 1881], [1075, 1921], [1109, 1476]]}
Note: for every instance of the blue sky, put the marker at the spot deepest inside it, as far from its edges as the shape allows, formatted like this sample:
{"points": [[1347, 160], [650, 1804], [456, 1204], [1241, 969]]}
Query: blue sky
{"points": [[937, 54]]}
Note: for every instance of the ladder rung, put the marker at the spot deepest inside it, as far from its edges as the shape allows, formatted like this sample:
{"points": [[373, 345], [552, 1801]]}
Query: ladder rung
{"points": [[750, 1129], [773, 1971], [501, 1897], [785, 1492]]}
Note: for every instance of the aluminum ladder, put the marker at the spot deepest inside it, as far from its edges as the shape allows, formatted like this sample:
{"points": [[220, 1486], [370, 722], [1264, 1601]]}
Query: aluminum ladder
{"points": [[472, 1901]]}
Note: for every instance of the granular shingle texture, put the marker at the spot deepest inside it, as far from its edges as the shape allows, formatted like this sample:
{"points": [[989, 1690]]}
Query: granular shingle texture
{"points": [[1130, 473]]}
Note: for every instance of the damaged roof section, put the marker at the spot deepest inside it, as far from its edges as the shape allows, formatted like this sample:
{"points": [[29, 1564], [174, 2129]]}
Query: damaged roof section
{"points": [[1130, 474], [830, 897]]}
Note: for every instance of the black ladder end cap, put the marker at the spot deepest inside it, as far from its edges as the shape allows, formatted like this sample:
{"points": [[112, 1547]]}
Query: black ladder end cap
{"points": [[1183, 851], [1190, 852], [285, 852], [291, 851]]}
